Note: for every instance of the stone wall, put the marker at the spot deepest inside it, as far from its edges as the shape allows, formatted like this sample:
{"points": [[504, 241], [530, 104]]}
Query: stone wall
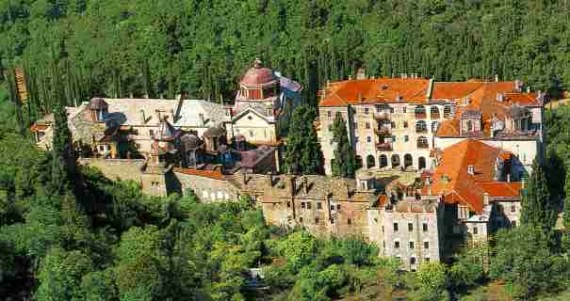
{"points": [[207, 189], [117, 169]]}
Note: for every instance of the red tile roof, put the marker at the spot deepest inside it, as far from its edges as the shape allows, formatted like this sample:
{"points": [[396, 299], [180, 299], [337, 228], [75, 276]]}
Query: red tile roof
{"points": [[212, 174], [483, 98], [466, 189], [370, 91]]}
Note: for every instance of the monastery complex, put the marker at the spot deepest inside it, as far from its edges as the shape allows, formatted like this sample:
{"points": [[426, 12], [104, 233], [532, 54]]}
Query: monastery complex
{"points": [[442, 164]]}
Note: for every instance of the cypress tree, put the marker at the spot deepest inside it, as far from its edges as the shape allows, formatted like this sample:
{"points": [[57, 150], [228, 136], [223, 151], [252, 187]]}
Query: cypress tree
{"points": [[537, 207], [303, 155], [567, 201], [344, 164]]}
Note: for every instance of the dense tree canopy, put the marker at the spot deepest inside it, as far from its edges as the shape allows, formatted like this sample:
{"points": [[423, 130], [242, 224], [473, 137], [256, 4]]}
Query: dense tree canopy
{"points": [[303, 154], [344, 164], [119, 48]]}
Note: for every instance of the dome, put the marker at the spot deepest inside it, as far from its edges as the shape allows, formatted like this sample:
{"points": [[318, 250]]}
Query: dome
{"points": [[98, 103], [258, 75], [190, 141]]}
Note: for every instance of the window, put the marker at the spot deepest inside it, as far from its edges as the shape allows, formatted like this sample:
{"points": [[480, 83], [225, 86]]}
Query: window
{"points": [[151, 133], [395, 227], [396, 245], [383, 244], [332, 207], [251, 134], [316, 220], [475, 231], [410, 227], [405, 124], [355, 139], [406, 138], [513, 208], [303, 205], [426, 259], [425, 227], [288, 204], [404, 109], [356, 125], [382, 229], [412, 260], [349, 221], [411, 245], [332, 220], [329, 114], [393, 124], [393, 138], [338, 207], [300, 219], [308, 205], [367, 125], [366, 110], [319, 206], [368, 139], [330, 127], [426, 245]]}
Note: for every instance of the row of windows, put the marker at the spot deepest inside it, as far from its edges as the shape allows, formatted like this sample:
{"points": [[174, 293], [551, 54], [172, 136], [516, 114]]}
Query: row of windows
{"points": [[308, 205], [317, 220], [411, 245], [434, 111], [413, 260], [410, 227]]}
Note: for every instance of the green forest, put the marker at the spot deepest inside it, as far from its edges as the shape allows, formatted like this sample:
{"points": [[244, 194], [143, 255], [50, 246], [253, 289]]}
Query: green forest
{"points": [[67, 233]]}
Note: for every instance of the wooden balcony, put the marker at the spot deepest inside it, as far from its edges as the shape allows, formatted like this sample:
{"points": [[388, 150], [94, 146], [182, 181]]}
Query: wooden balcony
{"points": [[383, 131], [386, 146]]}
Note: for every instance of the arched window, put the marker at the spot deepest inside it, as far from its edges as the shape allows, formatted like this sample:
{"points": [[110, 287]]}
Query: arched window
{"points": [[469, 126], [423, 142], [383, 161], [370, 161], [434, 126], [395, 161], [446, 111], [421, 163], [408, 160], [420, 111], [421, 126], [434, 112]]}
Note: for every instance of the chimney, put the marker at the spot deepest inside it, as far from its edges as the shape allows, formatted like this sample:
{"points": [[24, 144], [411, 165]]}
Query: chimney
{"points": [[143, 117], [306, 184], [471, 169], [500, 97], [361, 73], [485, 198]]}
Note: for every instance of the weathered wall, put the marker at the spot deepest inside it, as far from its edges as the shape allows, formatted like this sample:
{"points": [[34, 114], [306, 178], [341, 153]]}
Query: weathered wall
{"points": [[115, 169], [207, 189]]}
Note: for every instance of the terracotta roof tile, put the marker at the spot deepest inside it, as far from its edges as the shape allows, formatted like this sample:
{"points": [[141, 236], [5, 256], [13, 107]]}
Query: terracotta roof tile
{"points": [[460, 186], [213, 174], [370, 91]]}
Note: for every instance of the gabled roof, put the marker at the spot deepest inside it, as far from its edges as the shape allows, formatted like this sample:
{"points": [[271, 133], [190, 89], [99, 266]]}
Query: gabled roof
{"points": [[130, 111], [460, 186], [482, 97], [191, 112], [371, 91]]}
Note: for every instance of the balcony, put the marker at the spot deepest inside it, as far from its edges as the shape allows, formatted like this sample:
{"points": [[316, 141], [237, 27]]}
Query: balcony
{"points": [[385, 146], [382, 115], [382, 131]]}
